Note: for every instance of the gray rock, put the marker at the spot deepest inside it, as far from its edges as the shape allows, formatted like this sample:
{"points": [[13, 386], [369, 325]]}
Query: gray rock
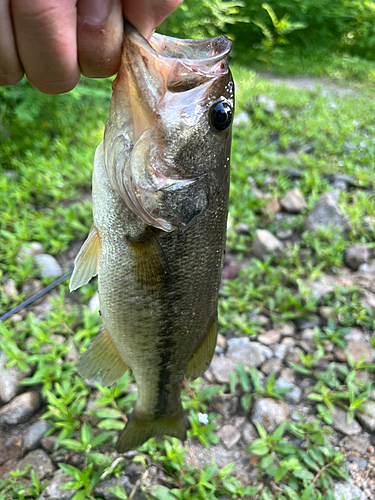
{"points": [[10, 289], [347, 491], [94, 302], [53, 492], [242, 228], [294, 395], [340, 423], [73, 354], [10, 379], [265, 243], [369, 267], [325, 213], [288, 374], [221, 368], [40, 463], [293, 201], [360, 444], [272, 207], [367, 416], [20, 409], [31, 287], [285, 234], [249, 433], [49, 267], [280, 351], [30, 250], [34, 434], [103, 488], [286, 329], [356, 254], [48, 443], [270, 413], [268, 104], [270, 337], [248, 353], [229, 435], [272, 365], [241, 118]]}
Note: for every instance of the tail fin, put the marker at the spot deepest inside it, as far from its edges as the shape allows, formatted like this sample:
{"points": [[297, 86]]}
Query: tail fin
{"points": [[138, 430]]}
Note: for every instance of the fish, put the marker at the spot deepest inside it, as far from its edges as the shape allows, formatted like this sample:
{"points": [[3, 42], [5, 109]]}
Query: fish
{"points": [[160, 204]]}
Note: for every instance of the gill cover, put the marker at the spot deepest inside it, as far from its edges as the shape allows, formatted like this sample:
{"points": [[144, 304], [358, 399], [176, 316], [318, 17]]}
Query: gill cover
{"points": [[163, 73]]}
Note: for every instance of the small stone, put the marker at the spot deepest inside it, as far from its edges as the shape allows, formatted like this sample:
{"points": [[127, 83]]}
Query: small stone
{"points": [[231, 270], [308, 334], [293, 355], [20, 409], [303, 323], [34, 434], [241, 119], [272, 365], [268, 104], [248, 353], [288, 374], [94, 303], [221, 341], [73, 354], [285, 234], [249, 433], [103, 488], [10, 289], [294, 395], [53, 491], [356, 254], [242, 228], [286, 329], [325, 213], [229, 435], [221, 367], [30, 288], [293, 201], [269, 413], [327, 312], [367, 416], [265, 243], [48, 443], [285, 113], [270, 337], [10, 379], [355, 443], [40, 463], [272, 207], [347, 491], [280, 350], [30, 250], [49, 267], [340, 423]]}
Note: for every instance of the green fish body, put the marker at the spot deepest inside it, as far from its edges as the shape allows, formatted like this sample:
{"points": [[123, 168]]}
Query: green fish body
{"points": [[160, 201]]}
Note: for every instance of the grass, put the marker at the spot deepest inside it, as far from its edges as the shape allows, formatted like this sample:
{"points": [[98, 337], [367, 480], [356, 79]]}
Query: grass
{"points": [[46, 155]]}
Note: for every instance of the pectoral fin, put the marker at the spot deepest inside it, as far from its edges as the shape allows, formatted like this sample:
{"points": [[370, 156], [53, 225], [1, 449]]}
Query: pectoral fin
{"points": [[87, 261], [102, 358], [200, 361]]}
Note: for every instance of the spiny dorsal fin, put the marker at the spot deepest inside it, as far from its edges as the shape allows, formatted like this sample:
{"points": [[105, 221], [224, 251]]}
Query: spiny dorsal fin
{"points": [[102, 358], [200, 361], [87, 261]]}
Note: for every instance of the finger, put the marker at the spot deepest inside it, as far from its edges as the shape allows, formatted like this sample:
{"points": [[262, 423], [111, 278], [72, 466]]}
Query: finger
{"points": [[99, 37], [146, 15], [11, 70], [47, 44]]}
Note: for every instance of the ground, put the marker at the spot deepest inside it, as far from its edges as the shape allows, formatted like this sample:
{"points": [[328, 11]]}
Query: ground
{"points": [[289, 398]]}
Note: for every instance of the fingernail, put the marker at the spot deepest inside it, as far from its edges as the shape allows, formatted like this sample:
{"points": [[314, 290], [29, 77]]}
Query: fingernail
{"points": [[93, 11]]}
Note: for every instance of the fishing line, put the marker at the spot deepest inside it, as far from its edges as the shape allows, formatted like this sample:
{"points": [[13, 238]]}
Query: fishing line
{"points": [[37, 295]]}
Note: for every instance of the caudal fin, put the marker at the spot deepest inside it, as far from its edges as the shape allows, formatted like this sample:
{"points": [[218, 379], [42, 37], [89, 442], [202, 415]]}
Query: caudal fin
{"points": [[138, 430]]}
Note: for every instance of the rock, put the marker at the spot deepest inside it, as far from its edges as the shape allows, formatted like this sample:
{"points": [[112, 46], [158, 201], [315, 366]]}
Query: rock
{"points": [[40, 463], [340, 423], [369, 267], [20, 409], [268, 104], [221, 367], [10, 289], [357, 346], [30, 288], [367, 416], [34, 434], [286, 329], [356, 443], [293, 201], [308, 334], [265, 243], [325, 213], [242, 228], [241, 118], [241, 350], [249, 433], [285, 234], [288, 374], [272, 365], [12, 450], [327, 312], [49, 267], [272, 207], [102, 489], [294, 395], [347, 491], [94, 303], [269, 413], [30, 250], [293, 355], [311, 322], [229, 435], [221, 341], [231, 270], [270, 337], [280, 350], [73, 354], [48, 443], [356, 254], [53, 492], [10, 379]]}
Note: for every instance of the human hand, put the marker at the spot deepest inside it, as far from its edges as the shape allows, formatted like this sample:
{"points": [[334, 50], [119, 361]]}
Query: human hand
{"points": [[54, 41]]}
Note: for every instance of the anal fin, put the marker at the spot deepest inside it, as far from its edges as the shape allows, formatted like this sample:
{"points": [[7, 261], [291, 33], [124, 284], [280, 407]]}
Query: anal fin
{"points": [[201, 359], [87, 261], [102, 358]]}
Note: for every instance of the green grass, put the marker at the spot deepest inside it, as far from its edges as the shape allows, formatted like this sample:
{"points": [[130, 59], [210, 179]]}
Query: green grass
{"points": [[47, 149]]}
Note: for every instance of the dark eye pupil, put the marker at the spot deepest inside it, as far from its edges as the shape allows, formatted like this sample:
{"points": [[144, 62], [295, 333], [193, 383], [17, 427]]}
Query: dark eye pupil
{"points": [[221, 115]]}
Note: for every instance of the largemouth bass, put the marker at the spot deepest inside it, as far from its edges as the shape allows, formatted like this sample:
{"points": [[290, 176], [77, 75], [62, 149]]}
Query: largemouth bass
{"points": [[160, 201]]}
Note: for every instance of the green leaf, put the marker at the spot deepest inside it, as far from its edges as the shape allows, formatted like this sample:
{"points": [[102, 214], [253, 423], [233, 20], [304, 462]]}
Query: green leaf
{"points": [[70, 470], [111, 424]]}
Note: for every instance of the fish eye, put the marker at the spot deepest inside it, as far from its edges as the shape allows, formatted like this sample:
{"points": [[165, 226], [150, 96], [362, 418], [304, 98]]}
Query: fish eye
{"points": [[221, 115]]}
